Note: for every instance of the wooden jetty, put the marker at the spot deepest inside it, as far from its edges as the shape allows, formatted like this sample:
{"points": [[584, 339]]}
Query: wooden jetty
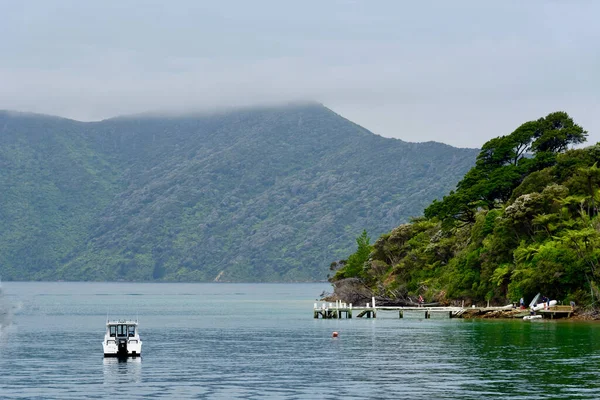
{"points": [[343, 310], [556, 312]]}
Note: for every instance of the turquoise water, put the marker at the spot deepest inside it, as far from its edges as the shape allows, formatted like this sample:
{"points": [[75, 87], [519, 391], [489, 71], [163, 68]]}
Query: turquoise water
{"points": [[260, 341]]}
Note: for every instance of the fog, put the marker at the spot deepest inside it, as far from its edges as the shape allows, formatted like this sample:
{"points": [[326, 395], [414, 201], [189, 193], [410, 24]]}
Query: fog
{"points": [[455, 72]]}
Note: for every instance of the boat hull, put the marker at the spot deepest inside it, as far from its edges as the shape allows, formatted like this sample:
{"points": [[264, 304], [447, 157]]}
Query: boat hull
{"points": [[542, 306], [128, 355], [131, 348], [530, 317]]}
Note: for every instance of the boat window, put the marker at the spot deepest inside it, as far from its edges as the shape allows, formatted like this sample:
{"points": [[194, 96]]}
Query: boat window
{"points": [[112, 330], [131, 330], [121, 330]]}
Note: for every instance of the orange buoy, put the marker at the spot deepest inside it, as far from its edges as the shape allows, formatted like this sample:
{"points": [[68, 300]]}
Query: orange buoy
{"points": [[334, 334]]}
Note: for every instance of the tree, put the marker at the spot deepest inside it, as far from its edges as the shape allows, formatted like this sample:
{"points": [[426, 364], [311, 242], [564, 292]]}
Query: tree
{"points": [[456, 206], [556, 132], [587, 180], [355, 264], [503, 164], [521, 140]]}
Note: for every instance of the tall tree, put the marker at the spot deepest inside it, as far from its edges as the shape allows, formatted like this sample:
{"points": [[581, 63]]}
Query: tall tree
{"points": [[502, 165], [556, 132]]}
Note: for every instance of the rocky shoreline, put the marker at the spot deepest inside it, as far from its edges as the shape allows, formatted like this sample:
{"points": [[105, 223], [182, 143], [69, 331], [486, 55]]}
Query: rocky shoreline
{"points": [[577, 315], [353, 291]]}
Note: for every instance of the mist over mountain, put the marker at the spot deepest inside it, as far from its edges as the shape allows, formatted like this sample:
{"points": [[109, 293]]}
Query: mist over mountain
{"points": [[263, 194]]}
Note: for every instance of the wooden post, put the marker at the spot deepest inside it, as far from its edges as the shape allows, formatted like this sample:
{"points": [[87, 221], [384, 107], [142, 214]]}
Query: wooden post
{"points": [[374, 309], [400, 314]]}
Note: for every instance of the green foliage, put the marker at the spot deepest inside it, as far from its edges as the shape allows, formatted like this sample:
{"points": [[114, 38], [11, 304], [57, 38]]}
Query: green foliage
{"points": [[556, 132], [516, 225], [250, 195], [355, 265], [501, 166]]}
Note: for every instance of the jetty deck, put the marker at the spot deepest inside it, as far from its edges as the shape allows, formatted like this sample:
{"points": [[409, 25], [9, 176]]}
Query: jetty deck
{"points": [[556, 312], [340, 310]]}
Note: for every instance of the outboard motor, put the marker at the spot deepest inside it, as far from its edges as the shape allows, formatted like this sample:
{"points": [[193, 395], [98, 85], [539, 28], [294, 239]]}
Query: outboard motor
{"points": [[122, 351]]}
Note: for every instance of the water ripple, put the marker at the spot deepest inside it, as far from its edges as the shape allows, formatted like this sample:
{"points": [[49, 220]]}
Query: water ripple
{"points": [[213, 347]]}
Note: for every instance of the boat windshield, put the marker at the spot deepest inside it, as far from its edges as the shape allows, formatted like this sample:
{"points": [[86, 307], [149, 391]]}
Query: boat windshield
{"points": [[121, 330]]}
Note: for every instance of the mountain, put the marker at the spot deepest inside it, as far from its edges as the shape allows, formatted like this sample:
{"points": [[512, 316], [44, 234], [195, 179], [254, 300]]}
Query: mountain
{"points": [[263, 194]]}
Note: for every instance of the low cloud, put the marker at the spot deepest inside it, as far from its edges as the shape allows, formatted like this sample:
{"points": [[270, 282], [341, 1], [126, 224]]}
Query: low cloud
{"points": [[459, 75]]}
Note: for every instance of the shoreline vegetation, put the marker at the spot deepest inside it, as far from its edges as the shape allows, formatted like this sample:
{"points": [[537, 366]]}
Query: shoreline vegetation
{"points": [[523, 220]]}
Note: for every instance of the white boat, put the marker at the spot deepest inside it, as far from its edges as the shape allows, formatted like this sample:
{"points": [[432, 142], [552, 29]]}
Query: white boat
{"points": [[528, 317], [544, 306], [122, 339]]}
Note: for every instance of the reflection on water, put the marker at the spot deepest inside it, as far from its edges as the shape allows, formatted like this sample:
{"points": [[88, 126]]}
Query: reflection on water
{"points": [[122, 370], [233, 341]]}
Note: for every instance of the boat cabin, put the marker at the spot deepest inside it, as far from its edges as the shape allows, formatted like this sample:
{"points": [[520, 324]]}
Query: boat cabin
{"points": [[122, 338], [122, 329]]}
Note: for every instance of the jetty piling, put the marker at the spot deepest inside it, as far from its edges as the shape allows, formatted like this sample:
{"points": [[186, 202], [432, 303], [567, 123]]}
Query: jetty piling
{"points": [[332, 311], [340, 310]]}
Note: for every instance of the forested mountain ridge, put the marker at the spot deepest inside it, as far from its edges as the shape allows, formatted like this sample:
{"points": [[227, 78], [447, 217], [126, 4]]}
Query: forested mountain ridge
{"points": [[264, 194], [524, 219], [53, 185]]}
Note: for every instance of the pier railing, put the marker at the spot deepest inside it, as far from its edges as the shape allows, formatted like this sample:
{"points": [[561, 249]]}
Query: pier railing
{"points": [[327, 310], [338, 309]]}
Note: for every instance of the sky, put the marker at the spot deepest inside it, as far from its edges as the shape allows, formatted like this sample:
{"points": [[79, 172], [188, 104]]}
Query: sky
{"points": [[459, 72]]}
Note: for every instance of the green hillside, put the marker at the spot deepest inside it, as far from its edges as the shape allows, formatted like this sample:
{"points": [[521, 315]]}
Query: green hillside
{"points": [[250, 195], [53, 186], [523, 220]]}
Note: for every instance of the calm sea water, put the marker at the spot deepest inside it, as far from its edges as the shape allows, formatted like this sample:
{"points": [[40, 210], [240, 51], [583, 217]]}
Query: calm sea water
{"points": [[228, 341]]}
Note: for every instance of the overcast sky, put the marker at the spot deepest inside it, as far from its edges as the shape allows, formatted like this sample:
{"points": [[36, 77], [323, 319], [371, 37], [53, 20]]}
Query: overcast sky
{"points": [[459, 72]]}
